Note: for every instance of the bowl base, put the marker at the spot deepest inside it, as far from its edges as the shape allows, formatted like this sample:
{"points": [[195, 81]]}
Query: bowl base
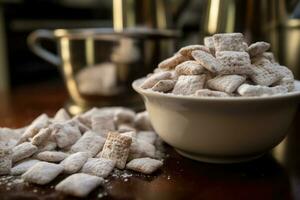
{"points": [[218, 160]]}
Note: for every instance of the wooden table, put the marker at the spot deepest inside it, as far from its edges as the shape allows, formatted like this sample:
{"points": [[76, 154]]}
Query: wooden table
{"points": [[273, 176]]}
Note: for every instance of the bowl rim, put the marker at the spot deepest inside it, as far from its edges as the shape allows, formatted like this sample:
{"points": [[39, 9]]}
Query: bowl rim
{"points": [[290, 95]]}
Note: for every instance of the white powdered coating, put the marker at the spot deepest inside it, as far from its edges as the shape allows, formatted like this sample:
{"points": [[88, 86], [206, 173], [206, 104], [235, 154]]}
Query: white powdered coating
{"points": [[229, 42], [190, 67], [154, 78], [147, 136], [61, 116], [210, 93], [258, 48], [287, 79], [163, 86], [124, 116], [172, 62], [234, 62], [21, 167], [42, 173], [41, 136], [90, 142], [140, 149], [102, 124], [101, 167], [74, 162], [187, 85], [9, 137], [269, 56], [187, 50], [144, 165], [126, 127], [207, 60], [209, 42], [117, 148], [79, 185], [82, 124], [5, 160], [22, 151], [40, 122], [264, 72], [48, 145], [142, 121], [226, 83], [52, 156], [65, 135], [257, 90]]}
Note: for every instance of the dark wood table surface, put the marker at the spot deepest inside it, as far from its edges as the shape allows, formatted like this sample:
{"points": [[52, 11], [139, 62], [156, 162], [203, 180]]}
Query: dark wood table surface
{"points": [[273, 176]]}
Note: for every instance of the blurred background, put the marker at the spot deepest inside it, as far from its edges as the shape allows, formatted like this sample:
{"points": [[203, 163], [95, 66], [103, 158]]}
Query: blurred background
{"points": [[96, 48]]}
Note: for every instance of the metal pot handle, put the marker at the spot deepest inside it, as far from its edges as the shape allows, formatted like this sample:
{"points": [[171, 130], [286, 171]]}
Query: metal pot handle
{"points": [[34, 42]]}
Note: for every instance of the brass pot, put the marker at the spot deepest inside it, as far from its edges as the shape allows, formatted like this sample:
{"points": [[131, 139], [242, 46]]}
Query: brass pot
{"points": [[99, 65]]}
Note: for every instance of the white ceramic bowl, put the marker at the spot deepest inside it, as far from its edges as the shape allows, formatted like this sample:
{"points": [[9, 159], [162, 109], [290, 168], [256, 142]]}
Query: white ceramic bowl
{"points": [[220, 130]]}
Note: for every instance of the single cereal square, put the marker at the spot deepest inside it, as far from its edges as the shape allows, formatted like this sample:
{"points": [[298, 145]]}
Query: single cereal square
{"points": [[5, 160], [258, 90], [188, 85], [21, 167], [140, 149], [52, 156], [61, 116], [65, 134], [190, 67], [74, 162], [187, 50], [101, 167], [207, 60], [41, 121], [124, 116], [142, 121], [41, 136], [264, 72], [153, 79], [163, 86], [144, 165], [117, 148], [42, 173], [79, 185], [90, 142], [22, 151], [229, 42], [102, 124], [226, 83], [234, 62], [147, 136], [172, 62], [258, 48]]}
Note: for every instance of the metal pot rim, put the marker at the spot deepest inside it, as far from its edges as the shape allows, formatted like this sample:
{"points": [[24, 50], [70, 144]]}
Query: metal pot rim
{"points": [[141, 33]]}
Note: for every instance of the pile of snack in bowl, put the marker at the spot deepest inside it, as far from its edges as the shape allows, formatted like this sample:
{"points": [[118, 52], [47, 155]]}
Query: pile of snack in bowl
{"points": [[225, 66]]}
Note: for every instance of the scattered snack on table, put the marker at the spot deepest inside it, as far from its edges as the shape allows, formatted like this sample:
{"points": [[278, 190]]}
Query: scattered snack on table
{"points": [[219, 68], [79, 185], [52, 156], [5, 160], [74, 162], [42, 173], [144, 165], [22, 151], [89, 146], [117, 148], [101, 167], [22, 166]]}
